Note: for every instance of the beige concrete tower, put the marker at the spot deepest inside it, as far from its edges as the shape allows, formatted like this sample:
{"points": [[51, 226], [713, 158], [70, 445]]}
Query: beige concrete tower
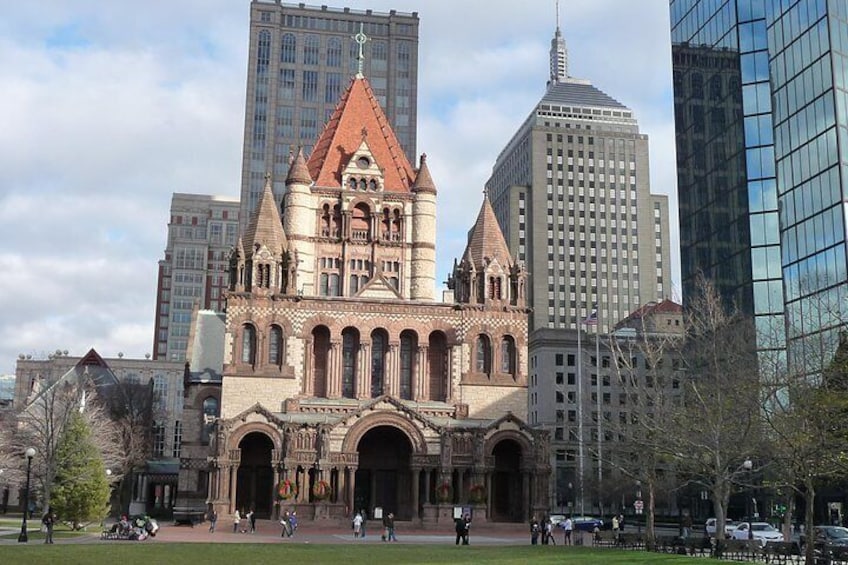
{"points": [[423, 269], [300, 225]]}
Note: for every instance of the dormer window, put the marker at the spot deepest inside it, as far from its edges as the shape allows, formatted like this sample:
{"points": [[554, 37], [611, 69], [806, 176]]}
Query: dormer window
{"points": [[363, 162]]}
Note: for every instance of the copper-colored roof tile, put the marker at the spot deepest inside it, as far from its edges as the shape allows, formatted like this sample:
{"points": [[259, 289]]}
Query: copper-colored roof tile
{"points": [[359, 114]]}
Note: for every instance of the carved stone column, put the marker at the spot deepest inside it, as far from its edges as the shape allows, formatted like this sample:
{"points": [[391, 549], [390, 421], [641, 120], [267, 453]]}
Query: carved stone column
{"points": [[308, 386], [392, 377], [334, 370], [363, 371], [422, 374], [351, 490], [416, 472], [426, 486]]}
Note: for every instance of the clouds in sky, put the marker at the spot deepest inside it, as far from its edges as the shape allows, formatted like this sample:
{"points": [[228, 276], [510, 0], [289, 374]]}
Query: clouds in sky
{"points": [[110, 107]]}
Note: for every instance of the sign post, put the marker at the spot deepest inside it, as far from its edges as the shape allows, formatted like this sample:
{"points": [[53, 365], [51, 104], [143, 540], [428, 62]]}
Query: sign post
{"points": [[638, 506]]}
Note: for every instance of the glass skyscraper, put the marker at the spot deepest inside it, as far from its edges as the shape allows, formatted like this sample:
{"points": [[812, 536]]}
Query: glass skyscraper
{"points": [[760, 111]]}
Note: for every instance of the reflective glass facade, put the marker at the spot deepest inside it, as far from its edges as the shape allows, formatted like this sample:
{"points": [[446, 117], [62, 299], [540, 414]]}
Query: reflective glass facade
{"points": [[760, 112]]}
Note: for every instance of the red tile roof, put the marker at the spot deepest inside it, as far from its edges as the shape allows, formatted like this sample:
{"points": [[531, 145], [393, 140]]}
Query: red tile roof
{"points": [[359, 114]]}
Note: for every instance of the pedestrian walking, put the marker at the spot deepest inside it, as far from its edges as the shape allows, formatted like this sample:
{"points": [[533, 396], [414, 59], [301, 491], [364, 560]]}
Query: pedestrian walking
{"points": [[364, 516], [357, 525], [292, 522], [567, 527], [285, 523], [686, 526], [534, 531], [390, 527], [213, 520], [47, 521], [251, 519], [236, 521]]}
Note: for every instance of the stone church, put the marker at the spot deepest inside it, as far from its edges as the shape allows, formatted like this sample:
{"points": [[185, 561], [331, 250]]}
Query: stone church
{"points": [[346, 385]]}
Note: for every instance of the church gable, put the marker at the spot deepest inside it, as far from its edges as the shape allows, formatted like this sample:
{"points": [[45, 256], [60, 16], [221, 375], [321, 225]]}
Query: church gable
{"points": [[379, 288]]}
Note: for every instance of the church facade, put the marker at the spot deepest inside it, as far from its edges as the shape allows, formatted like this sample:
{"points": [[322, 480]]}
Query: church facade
{"points": [[347, 386]]}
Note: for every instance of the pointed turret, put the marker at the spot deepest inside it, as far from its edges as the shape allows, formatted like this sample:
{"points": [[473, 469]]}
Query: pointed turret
{"points": [[487, 273], [264, 262], [423, 180], [298, 172], [423, 271]]}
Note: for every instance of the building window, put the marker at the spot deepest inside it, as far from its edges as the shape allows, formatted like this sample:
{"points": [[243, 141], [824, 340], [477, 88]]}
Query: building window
{"points": [[350, 354], [508, 355], [158, 439], [178, 439], [289, 48], [311, 48], [483, 354], [248, 344], [275, 346], [378, 362], [408, 347], [334, 52]]}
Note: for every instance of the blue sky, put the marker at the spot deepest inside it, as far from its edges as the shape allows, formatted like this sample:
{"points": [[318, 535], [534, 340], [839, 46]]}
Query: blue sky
{"points": [[110, 107]]}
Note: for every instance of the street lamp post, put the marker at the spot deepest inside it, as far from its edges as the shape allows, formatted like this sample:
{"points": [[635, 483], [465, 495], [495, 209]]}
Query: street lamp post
{"points": [[748, 465], [638, 510], [23, 538]]}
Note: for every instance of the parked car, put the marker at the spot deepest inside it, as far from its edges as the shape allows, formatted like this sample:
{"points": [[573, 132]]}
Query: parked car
{"points": [[556, 519], [830, 535], [762, 531], [710, 527], [587, 523]]}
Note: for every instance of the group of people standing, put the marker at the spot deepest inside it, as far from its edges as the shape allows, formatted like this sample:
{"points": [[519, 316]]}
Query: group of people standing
{"points": [[288, 522]]}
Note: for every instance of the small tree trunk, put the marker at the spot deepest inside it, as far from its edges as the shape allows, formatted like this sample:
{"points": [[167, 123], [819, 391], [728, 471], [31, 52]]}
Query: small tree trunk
{"points": [[809, 500]]}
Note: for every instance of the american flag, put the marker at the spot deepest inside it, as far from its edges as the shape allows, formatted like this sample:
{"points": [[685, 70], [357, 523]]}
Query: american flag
{"points": [[592, 318]]}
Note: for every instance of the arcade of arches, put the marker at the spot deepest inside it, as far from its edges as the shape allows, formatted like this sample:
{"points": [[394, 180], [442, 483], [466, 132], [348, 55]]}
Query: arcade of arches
{"points": [[417, 471]]}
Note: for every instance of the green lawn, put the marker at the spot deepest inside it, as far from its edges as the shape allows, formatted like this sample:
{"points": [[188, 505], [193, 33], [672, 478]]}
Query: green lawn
{"points": [[145, 553]]}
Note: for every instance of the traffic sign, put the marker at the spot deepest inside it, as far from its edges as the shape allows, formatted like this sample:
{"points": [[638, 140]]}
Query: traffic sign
{"points": [[638, 505]]}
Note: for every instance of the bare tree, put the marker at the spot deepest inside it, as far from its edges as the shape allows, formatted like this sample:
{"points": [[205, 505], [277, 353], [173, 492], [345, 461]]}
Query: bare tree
{"points": [[647, 370], [715, 430]]}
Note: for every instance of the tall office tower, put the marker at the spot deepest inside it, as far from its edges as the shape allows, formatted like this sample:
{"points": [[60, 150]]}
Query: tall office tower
{"points": [[201, 234], [301, 59], [571, 192], [761, 146]]}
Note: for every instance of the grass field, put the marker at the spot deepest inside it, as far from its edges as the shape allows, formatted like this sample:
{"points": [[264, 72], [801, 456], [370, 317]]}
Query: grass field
{"points": [[144, 553]]}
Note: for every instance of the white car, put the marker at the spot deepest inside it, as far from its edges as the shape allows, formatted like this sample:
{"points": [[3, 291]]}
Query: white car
{"points": [[710, 527], [762, 531]]}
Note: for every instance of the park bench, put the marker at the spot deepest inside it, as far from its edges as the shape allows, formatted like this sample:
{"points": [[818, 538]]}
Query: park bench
{"points": [[631, 540], [605, 538], [740, 550]]}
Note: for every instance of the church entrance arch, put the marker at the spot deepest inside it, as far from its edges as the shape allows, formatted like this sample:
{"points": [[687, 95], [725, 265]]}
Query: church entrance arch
{"points": [[507, 503], [255, 480], [384, 477]]}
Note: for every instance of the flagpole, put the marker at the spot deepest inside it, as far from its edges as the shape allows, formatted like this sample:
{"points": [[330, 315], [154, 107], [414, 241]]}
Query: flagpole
{"points": [[580, 457]]}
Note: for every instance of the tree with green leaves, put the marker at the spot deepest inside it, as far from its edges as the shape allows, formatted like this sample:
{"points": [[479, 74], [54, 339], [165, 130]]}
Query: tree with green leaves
{"points": [[81, 490]]}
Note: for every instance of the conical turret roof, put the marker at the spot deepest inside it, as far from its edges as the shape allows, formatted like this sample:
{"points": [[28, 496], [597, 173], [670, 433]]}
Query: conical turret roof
{"points": [[485, 240], [423, 180], [359, 116], [298, 172], [265, 227]]}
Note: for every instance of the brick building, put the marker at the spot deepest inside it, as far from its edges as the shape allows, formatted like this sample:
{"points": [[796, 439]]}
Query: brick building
{"points": [[345, 382]]}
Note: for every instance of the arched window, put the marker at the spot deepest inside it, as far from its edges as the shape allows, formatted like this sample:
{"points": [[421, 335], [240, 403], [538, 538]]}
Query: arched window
{"points": [[248, 344], [379, 345], [311, 48], [483, 354], [289, 48], [408, 349], [350, 354], [320, 355], [360, 223], [275, 346], [508, 355], [263, 52], [334, 52], [438, 366], [354, 285]]}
